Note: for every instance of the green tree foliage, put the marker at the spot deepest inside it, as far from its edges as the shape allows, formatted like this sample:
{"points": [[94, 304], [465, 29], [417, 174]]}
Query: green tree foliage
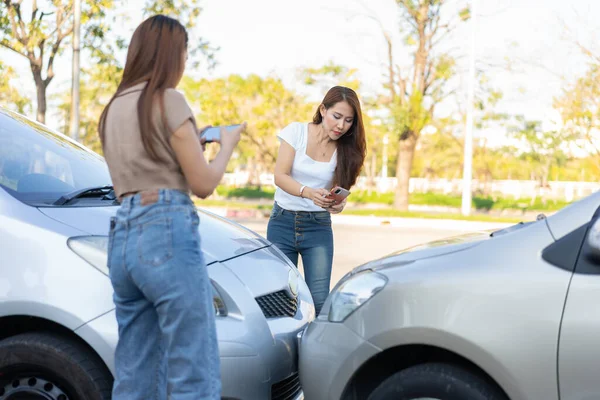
{"points": [[100, 81], [10, 97], [331, 75], [579, 106], [540, 149], [265, 103], [414, 92], [421, 142], [98, 85], [188, 12], [40, 30], [441, 152]]}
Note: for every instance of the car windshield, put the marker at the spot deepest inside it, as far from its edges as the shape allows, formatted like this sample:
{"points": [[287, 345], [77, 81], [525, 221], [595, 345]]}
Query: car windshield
{"points": [[38, 165]]}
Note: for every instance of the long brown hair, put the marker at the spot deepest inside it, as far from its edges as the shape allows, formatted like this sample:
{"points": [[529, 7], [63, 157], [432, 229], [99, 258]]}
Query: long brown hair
{"points": [[156, 56], [352, 147]]}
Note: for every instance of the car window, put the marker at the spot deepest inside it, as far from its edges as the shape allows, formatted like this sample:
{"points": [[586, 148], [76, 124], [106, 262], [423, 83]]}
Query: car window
{"points": [[589, 255], [38, 166], [563, 253], [577, 251]]}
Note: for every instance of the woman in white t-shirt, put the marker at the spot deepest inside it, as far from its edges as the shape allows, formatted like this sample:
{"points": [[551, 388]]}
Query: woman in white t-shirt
{"points": [[314, 157]]}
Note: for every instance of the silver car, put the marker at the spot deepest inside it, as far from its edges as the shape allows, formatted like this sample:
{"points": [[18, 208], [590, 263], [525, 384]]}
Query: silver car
{"points": [[512, 314], [57, 324]]}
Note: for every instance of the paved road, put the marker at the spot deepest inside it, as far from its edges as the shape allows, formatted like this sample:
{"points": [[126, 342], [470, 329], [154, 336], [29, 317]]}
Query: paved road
{"points": [[355, 244]]}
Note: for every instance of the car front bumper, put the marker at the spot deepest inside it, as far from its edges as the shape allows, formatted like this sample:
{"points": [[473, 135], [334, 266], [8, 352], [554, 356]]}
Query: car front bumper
{"points": [[248, 371], [330, 353]]}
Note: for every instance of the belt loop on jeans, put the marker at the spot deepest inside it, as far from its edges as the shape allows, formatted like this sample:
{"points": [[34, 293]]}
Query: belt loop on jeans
{"points": [[126, 203], [167, 196]]}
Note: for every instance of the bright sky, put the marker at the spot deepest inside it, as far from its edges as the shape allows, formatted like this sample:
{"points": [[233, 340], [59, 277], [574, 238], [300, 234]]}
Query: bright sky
{"points": [[280, 36]]}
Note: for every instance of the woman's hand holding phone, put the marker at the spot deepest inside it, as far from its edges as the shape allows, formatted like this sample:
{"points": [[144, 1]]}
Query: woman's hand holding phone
{"points": [[227, 136], [230, 138], [318, 196], [338, 194], [337, 208], [202, 138]]}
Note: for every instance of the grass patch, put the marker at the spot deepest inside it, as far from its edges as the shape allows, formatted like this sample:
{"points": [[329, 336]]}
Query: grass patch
{"points": [[376, 213], [423, 199], [364, 197], [434, 199], [425, 215], [527, 204], [246, 192], [232, 204], [487, 203]]}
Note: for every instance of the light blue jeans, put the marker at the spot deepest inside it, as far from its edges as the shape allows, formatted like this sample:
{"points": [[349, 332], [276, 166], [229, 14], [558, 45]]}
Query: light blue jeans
{"points": [[167, 345], [309, 235]]}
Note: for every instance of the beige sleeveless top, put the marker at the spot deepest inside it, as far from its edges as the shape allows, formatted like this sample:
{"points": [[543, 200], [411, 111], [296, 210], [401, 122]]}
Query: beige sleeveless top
{"points": [[131, 167]]}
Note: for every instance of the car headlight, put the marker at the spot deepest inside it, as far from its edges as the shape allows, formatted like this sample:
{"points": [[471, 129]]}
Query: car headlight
{"points": [[353, 293], [94, 250], [218, 303]]}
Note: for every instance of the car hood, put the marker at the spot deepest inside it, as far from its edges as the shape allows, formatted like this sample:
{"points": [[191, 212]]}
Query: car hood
{"points": [[222, 239], [427, 250]]}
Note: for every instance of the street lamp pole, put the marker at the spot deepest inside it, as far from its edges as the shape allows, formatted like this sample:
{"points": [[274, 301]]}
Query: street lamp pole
{"points": [[384, 162], [468, 154], [74, 123]]}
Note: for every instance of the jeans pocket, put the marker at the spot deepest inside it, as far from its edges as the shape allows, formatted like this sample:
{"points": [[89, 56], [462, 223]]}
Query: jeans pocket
{"points": [[322, 218], [276, 213], [155, 241]]}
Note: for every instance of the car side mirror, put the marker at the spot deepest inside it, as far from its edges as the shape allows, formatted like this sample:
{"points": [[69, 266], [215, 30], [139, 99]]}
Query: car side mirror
{"points": [[593, 242]]}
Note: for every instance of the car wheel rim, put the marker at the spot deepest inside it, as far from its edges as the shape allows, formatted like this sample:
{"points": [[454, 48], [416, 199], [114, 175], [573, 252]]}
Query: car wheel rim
{"points": [[31, 388]]}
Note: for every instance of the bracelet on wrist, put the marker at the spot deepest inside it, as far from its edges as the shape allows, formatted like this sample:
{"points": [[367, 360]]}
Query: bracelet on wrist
{"points": [[302, 190]]}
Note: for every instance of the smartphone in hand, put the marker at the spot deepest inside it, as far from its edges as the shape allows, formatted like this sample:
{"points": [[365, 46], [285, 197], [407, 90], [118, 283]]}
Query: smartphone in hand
{"points": [[213, 134], [338, 194]]}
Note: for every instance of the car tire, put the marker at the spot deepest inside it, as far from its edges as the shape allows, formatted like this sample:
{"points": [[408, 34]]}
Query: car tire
{"points": [[435, 381], [47, 366]]}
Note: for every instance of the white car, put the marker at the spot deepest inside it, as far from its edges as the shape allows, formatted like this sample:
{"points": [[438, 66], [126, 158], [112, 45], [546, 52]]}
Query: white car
{"points": [[57, 324]]}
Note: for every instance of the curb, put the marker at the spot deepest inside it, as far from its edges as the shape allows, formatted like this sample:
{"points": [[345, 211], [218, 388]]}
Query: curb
{"points": [[356, 220], [441, 224]]}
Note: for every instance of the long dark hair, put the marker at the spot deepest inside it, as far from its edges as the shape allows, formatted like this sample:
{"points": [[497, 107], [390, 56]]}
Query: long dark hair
{"points": [[352, 147], [155, 56]]}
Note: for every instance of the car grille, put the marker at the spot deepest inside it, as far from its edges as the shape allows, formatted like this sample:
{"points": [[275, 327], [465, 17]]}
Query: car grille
{"points": [[278, 304], [286, 389]]}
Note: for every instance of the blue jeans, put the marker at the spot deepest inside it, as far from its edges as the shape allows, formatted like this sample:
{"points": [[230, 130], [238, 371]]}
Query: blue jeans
{"points": [[308, 234], [167, 346]]}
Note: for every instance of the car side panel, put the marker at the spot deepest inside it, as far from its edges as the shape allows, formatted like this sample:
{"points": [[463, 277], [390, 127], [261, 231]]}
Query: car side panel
{"points": [[498, 305], [579, 353], [41, 276]]}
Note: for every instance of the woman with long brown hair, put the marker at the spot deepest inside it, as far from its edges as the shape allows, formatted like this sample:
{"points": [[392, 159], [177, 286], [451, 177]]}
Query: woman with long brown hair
{"points": [[313, 158], [167, 345]]}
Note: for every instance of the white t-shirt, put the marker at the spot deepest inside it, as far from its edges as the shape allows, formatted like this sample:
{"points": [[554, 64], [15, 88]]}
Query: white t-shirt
{"points": [[305, 170]]}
